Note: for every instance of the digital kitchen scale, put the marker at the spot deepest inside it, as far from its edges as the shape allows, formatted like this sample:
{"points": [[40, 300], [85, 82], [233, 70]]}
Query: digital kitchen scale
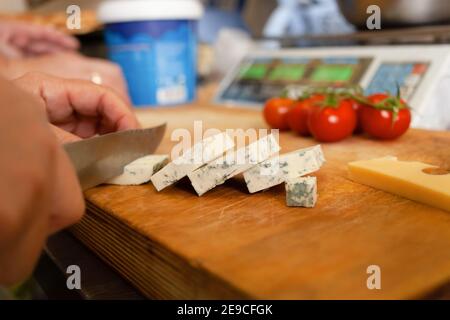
{"points": [[421, 72]]}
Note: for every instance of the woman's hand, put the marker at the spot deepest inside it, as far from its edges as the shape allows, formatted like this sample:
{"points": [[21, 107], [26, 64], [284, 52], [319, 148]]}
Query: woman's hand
{"points": [[20, 39], [71, 66], [79, 107], [39, 190]]}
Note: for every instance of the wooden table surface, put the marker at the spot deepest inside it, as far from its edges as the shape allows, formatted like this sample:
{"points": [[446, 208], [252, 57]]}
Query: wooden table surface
{"points": [[231, 244]]}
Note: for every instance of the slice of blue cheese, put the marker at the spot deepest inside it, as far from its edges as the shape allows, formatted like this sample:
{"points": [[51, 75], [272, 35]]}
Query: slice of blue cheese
{"points": [[232, 163], [277, 169], [140, 170], [301, 192], [199, 154]]}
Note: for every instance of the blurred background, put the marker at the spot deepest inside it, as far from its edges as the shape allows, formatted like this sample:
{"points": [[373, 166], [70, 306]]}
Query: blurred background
{"points": [[240, 24], [166, 51]]}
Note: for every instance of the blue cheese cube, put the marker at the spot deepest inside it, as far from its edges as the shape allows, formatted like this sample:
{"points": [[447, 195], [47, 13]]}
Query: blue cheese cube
{"points": [[199, 154], [232, 163], [140, 170], [277, 169], [301, 192]]}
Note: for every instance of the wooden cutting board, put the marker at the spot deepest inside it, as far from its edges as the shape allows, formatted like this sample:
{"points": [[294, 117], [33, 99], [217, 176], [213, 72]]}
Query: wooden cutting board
{"points": [[231, 244]]}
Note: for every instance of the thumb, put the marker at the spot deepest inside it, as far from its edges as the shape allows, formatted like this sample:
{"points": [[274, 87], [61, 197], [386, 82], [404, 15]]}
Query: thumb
{"points": [[64, 136]]}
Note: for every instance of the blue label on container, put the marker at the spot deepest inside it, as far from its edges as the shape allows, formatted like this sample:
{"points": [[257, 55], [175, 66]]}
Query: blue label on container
{"points": [[158, 59]]}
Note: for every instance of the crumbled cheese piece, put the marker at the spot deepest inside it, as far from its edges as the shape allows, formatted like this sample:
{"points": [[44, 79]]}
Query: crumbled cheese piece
{"points": [[301, 192]]}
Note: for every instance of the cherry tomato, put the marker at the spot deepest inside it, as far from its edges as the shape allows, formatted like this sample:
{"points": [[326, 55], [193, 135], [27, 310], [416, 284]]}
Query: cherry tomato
{"points": [[333, 121], [298, 117], [276, 112], [299, 114], [385, 123], [357, 106]]}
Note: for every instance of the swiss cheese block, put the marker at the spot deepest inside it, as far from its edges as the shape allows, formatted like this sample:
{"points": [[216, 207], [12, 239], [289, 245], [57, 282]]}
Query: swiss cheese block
{"points": [[406, 179], [200, 153], [140, 170], [232, 163], [277, 169], [301, 192]]}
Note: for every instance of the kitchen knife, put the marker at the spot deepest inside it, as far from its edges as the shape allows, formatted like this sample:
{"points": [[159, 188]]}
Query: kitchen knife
{"points": [[98, 159]]}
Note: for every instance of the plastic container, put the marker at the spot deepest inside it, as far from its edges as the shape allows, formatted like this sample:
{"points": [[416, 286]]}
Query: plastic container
{"points": [[154, 41]]}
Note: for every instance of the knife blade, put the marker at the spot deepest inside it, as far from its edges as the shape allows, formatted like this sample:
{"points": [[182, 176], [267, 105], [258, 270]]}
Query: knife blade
{"points": [[98, 159]]}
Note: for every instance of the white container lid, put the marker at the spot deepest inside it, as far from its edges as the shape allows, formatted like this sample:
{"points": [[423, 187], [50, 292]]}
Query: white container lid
{"points": [[112, 11]]}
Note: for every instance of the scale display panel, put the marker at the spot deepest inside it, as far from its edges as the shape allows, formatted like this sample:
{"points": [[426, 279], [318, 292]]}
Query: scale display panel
{"points": [[258, 79]]}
